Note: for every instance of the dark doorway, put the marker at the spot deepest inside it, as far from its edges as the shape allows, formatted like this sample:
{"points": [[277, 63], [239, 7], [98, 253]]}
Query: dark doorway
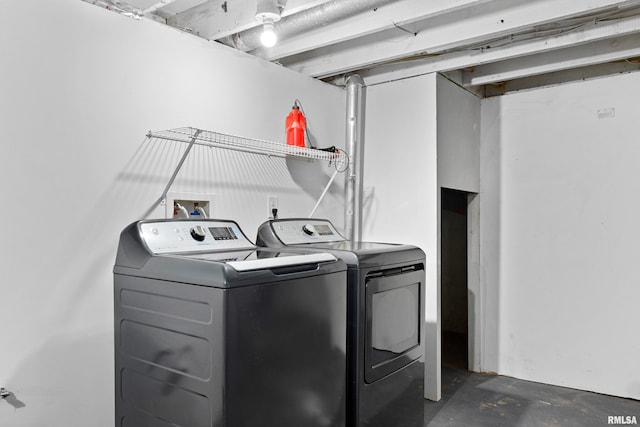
{"points": [[454, 286]]}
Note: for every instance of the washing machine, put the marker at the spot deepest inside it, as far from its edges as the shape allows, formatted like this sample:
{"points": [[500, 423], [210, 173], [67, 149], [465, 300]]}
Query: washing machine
{"points": [[385, 319], [211, 331]]}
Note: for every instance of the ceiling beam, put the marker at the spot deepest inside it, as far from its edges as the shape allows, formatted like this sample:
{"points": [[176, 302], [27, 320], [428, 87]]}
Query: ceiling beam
{"points": [[177, 6], [470, 26], [216, 19], [139, 5], [399, 13], [574, 57], [476, 58], [156, 6], [560, 77]]}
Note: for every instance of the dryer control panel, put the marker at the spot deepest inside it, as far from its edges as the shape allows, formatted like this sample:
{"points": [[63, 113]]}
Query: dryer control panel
{"points": [[171, 236], [299, 231]]}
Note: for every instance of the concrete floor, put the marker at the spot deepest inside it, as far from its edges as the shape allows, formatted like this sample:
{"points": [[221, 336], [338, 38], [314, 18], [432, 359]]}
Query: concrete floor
{"points": [[475, 399]]}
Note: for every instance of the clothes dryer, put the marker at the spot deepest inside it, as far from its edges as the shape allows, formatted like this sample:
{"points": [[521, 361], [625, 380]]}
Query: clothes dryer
{"points": [[385, 319]]}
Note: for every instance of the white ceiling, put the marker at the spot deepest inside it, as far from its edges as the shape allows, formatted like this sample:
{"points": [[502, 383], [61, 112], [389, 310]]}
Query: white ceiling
{"points": [[488, 46]]}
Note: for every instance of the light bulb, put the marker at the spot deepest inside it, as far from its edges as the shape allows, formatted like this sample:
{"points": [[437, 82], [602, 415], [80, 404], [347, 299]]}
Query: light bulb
{"points": [[268, 36]]}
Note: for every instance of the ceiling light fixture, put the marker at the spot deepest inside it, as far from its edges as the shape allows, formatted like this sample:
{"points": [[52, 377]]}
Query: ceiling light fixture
{"points": [[268, 13]]}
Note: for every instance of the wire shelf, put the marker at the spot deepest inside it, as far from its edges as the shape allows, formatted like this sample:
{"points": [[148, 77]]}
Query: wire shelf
{"points": [[249, 145]]}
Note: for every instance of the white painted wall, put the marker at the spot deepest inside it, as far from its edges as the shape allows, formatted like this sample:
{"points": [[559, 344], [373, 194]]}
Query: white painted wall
{"points": [[458, 137], [560, 234], [400, 187], [80, 88], [458, 148], [490, 226]]}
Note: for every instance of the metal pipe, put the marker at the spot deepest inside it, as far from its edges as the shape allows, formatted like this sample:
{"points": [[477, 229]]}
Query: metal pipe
{"points": [[354, 147], [301, 22]]}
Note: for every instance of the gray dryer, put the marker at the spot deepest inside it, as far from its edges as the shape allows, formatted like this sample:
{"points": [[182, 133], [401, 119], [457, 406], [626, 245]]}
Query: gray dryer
{"points": [[385, 319]]}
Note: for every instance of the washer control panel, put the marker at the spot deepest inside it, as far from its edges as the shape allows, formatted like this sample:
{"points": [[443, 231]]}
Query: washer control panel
{"points": [[170, 236], [299, 231]]}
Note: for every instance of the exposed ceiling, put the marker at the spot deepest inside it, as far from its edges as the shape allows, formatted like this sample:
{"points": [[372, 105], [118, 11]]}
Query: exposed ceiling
{"points": [[488, 46]]}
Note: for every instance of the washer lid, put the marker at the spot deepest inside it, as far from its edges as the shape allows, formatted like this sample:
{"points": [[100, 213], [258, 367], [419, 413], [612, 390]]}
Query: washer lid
{"points": [[260, 259], [267, 263]]}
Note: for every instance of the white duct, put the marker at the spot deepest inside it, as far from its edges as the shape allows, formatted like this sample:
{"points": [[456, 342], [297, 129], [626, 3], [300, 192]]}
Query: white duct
{"points": [[355, 148], [300, 22]]}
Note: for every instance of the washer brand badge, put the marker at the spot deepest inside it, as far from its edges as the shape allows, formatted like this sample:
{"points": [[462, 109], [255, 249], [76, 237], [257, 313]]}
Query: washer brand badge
{"points": [[622, 419]]}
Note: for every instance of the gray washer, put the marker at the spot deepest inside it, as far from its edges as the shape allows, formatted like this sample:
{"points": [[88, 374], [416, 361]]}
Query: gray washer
{"points": [[211, 332], [385, 319]]}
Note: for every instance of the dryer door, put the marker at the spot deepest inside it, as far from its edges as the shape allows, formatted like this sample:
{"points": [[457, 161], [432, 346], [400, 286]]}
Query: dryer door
{"points": [[394, 320]]}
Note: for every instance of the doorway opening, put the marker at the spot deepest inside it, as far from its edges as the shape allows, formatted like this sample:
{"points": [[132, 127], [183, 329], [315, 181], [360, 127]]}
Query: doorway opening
{"points": [[454, 278]]}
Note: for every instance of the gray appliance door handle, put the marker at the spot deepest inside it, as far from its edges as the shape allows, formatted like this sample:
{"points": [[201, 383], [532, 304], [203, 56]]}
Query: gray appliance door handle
{"points": [[271, 263]]}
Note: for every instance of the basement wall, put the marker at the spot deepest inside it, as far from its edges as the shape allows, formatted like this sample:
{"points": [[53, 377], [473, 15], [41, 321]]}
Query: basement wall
{"points": [[560, 234], [81, 86]]}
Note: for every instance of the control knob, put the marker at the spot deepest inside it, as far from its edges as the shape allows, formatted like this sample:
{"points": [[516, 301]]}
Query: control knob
{"points": [[308, 229], [198, 233]]}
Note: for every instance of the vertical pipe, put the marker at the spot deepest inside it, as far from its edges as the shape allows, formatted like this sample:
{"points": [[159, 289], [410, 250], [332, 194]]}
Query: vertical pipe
{"points": [[354, 147]]}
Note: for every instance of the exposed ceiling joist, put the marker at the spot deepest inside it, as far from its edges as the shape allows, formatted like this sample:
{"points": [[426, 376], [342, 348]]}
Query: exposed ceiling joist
{"points": [[484, 22], [592, 32], [560, 77], [323, 16], [139, 4], [398, 13], [216, 19], [574, 57], [157, 6], [488, 46], [176, 6]]}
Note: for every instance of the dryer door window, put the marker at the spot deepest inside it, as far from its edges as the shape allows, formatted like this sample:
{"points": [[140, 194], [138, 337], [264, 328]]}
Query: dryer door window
{"points": [[394, 322]]}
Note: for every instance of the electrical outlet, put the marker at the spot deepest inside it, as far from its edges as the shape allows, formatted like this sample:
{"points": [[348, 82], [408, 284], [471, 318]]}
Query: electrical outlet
{"points": [[272, 202]]}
